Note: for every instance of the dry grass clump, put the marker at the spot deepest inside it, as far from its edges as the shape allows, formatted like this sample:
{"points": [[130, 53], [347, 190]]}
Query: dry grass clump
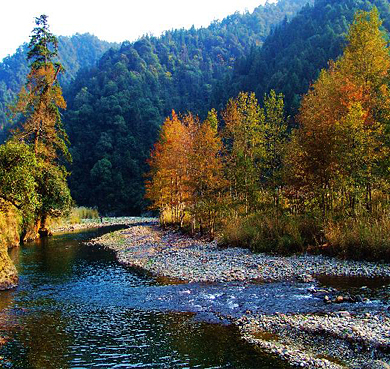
{"points": [[75, 216], [360, 238], [272, 233]]}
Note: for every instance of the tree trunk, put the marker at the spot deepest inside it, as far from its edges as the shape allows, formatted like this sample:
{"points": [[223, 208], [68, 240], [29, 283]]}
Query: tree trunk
{"points": [[43, 230]]}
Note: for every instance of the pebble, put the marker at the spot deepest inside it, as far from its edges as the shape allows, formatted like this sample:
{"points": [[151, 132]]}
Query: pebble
{"points": [[315, 339], [173, 255], [304, 340]]}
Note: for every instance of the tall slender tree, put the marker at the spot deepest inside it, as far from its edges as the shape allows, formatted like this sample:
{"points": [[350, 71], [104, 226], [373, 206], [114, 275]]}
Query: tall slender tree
{"points": [[41, 99], [244, 138], [206, 180], [275, 132], [167, 187], [39, 105]]}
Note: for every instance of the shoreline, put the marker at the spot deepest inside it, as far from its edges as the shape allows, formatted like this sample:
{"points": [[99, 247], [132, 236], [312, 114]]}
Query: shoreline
{"points": [[95, 223], [174, 255], [332, 340], [295, 338]]}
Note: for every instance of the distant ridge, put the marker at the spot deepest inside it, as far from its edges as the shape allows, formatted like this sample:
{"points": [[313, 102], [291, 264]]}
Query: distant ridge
{"points": [[76, 52]]}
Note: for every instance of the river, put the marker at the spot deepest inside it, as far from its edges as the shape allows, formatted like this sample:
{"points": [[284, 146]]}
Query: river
{"points": [[76, 307]]}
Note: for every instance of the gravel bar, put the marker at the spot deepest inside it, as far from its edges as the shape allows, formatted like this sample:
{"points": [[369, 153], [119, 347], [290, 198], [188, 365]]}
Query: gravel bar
{"points": [[174, 255], [99, 223], [334, 340], [328, 340]]}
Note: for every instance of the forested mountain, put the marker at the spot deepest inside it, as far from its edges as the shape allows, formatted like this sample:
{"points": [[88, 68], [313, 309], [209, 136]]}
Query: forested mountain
{"points": [[116, 106], [115, 109], [76, 52], [297, 50]]}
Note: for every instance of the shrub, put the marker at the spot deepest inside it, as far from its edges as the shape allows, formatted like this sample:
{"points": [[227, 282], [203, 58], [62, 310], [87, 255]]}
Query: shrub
{"points": [[75, 216], [360, 238], [273, 233]]}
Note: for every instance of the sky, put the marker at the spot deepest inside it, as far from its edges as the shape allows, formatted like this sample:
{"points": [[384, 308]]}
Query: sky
{"points": [[111, 20]]}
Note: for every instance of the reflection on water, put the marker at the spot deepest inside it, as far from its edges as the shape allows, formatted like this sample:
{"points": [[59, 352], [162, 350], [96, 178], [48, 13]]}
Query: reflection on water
{"points": [[40, 341], [77, 308]]}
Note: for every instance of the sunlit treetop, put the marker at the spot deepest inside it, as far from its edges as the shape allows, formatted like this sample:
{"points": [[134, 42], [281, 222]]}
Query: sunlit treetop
{"points": [[43, 46]]}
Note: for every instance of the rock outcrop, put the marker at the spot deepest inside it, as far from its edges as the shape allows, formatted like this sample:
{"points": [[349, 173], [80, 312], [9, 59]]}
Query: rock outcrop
{"points": [[10, 222], [8, 273]]}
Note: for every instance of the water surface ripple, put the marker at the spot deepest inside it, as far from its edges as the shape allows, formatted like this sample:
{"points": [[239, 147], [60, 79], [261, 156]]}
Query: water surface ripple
{"points": [[76, 307]]}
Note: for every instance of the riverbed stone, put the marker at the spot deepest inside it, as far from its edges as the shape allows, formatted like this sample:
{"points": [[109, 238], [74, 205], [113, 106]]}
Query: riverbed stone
{"points": [[377, 364], [330, 340], [195, 260]]}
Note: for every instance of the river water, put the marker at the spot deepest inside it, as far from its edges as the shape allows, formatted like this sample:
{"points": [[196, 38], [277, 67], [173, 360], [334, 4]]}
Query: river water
{"points": [[76, 307]]}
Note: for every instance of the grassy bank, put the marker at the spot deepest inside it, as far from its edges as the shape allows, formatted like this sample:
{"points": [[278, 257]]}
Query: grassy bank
{"points": [[359, 238], [75, 216], [11, 223]]}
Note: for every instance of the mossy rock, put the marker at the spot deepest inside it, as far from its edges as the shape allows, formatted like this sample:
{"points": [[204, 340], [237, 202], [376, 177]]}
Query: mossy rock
{"points": [[10, 221], [8, 273]]}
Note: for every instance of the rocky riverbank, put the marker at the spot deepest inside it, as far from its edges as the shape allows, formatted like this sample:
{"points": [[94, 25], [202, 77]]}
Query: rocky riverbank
{"points": [[333, 340], [174, 255], [8, 274], [99, 223], [329, 340], [10, 222]]}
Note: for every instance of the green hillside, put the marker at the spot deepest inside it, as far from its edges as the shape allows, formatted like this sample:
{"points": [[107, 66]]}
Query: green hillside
{"points": [[116, 109], [297, 50], [75, 53]]}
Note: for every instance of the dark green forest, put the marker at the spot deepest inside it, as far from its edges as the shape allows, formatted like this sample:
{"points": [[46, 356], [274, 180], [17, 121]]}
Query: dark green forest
{"points": [[115, 110], [76, 52], [296, 51], [116, 105]]}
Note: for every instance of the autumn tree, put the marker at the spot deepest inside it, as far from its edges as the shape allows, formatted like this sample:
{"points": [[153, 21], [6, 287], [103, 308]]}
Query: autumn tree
{"points": [[206, 181], [343, 119], [275, 138], [244, 145], [314, 158], [365, 67], [39, 105], [167, 186], [40, 100]]}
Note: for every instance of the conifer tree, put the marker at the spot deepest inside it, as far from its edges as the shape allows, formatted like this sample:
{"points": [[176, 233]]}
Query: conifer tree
{"points": [[40, 100], [39, 105]]}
